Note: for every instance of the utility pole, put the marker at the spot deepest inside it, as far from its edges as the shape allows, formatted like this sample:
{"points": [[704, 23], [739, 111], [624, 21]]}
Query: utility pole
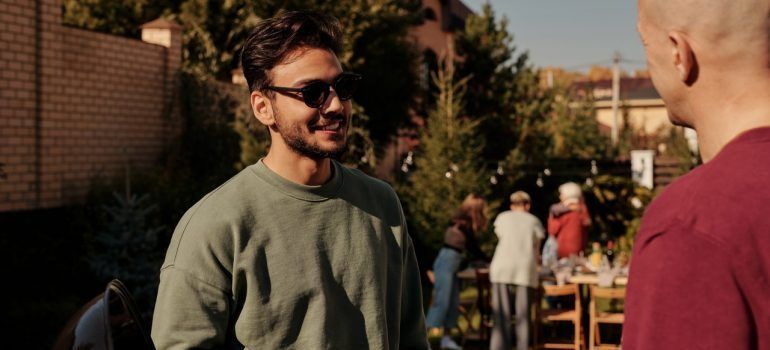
{"points": [[549, 77], [615, 96]]}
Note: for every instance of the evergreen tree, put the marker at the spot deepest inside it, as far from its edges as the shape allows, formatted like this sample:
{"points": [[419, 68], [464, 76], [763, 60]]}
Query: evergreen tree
{"points": [[128, 248], [447, 165]]}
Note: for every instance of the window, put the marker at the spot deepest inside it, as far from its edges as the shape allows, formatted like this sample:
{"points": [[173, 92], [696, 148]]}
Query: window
{"points": [[429, 14]]}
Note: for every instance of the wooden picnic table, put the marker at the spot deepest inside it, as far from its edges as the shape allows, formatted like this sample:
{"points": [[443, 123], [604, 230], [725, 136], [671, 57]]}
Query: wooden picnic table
{"points": [[580, 278], [593, 278], [470, 273]]}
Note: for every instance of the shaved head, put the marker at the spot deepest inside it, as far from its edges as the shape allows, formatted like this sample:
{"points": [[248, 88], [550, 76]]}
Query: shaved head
{"points": [[710, 62], [732, 26]]}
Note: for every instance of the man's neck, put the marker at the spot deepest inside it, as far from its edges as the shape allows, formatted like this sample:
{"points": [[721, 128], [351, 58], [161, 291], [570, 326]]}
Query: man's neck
{"points": [[723, 121], [298, 168]]}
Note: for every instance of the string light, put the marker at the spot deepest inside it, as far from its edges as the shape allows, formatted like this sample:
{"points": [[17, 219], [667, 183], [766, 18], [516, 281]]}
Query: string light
{"points": [[493, 180], [547, 172], [409, 160], [539, 181], [594, 168], [500, 169]]}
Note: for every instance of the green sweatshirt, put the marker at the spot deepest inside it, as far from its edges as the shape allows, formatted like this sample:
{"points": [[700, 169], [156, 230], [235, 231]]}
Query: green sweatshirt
{"points": [[265, 263]]}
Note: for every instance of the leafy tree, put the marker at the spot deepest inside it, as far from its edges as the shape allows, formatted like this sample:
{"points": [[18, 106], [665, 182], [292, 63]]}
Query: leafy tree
{"points": [[376, 45], [120, 17], [376, 42], [487, 58], [214, 32], [447, 165], [575, 130], [676, 146]]}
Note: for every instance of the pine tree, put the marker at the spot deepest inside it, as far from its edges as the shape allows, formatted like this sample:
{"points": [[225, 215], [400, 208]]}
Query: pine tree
{"points": [[128, 248], [447, 165]]}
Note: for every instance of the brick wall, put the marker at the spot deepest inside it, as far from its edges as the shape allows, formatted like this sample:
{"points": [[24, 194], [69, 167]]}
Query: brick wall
{"points": [[75, 105]]}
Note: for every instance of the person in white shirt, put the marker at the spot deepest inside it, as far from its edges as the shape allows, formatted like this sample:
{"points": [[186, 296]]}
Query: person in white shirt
{"points": [[514, 270]]}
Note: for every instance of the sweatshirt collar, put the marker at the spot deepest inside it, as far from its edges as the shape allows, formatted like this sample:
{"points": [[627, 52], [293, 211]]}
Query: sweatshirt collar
{"points": [[302, 192]]}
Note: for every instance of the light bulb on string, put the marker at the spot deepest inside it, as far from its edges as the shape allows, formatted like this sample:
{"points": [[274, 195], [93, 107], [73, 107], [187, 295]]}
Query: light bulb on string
{"points": [[454, 167], [409, 158], [539, 181], [405, 168], [590, 182], [493, 180], [499, 169], [547, 172], [594, 168], [364, 160], [448, 175]]}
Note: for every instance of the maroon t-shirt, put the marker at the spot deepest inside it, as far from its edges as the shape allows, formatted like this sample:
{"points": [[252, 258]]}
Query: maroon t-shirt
{"points": [[700, 270]]}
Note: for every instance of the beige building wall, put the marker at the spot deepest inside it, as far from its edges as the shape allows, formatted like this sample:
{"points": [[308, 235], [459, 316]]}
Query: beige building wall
{"points": [[649, 116], [75, 105]]}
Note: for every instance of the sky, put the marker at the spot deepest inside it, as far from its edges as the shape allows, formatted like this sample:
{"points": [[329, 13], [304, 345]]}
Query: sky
{"points": [[572, 33]]}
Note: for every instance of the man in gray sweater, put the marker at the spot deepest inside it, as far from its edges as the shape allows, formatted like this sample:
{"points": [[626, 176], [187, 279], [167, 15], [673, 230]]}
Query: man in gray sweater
{"points": [[296, 251]]}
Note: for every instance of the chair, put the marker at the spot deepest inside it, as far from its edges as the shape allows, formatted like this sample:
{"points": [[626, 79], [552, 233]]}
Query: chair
{"points": [[109, 321], [483, 304], [597, 317], [572, 315]]}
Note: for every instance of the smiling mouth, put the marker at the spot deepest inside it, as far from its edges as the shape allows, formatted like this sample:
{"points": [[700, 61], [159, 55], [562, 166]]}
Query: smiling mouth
{"points": [[331, 127]]}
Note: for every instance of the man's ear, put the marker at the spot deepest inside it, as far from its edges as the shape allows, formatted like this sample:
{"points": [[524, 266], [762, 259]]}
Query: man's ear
{"points": [[683, 58], [262, 107]]}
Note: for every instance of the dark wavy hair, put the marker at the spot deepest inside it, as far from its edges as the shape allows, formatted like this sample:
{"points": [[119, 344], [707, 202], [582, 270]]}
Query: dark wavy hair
{"points": [[471, 216], [273, 39]]}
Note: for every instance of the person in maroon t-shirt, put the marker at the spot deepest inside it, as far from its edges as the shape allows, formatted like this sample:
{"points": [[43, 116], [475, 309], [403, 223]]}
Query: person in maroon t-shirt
{"points": [[700, 269], [568, 221]]}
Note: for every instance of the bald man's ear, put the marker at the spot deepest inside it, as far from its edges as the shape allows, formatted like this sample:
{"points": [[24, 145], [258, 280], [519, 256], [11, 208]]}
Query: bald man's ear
{"points": [[261, 105], [683, 58]]}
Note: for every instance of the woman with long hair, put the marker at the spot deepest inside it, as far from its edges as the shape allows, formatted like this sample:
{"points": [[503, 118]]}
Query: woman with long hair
{"points": [[469, 220]]}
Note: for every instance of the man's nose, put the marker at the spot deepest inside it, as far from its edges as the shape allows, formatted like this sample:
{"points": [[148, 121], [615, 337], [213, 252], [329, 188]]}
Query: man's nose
{"points": [[332, 105]]}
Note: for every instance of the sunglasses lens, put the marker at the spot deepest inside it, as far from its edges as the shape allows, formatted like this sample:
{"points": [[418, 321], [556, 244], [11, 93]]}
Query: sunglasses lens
{"points": [[345, 86], [315, 94]]}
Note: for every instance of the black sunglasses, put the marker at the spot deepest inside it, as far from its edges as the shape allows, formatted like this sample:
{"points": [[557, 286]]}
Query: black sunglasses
{"points": [[315, 93]]}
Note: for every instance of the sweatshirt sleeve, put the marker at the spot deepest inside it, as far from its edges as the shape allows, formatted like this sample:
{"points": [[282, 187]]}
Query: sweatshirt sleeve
{"points": [[192, 309], [413, 331], [189, 313]]}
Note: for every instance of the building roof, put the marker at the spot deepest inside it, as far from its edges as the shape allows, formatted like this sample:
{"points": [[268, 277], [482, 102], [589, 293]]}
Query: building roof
{"points": [[455, 13], [630, 89], [161, 23]]}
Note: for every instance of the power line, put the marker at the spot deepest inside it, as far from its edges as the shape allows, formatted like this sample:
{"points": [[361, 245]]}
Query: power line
{"points": [[605, 62]]}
